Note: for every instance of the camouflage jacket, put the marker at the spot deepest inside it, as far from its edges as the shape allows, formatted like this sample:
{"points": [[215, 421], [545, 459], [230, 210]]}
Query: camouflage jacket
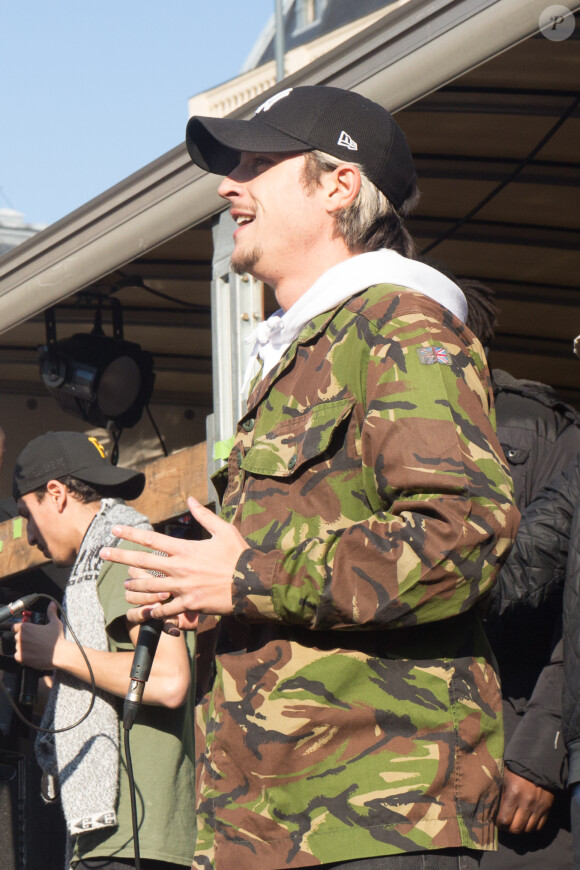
{"points": [[351, 709]]}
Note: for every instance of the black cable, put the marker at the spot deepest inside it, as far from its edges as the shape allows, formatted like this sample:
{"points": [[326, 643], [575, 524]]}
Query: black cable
{"points": [[92, 685], [134, 820], [168, 297], [129, 763], [137, 281], [116, 436], [459, 223], [157, 432]]}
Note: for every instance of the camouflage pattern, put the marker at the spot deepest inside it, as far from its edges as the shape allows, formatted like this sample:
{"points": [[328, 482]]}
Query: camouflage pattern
{"points": [[351, 709]]}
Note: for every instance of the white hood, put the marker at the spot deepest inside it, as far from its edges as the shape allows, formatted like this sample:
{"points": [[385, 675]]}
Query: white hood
{"points": [[274, 335]]}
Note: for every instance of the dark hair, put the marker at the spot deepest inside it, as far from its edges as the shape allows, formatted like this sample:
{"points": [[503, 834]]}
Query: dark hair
{"points": [[481, 309], [481, 306], [84, 492], [370, 222]]}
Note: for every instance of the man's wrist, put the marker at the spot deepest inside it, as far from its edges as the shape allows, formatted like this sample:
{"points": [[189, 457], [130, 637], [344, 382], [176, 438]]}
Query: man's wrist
{"points": [[63, 655]]}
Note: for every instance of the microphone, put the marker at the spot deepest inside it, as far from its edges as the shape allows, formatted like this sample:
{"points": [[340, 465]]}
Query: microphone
{"points": [[145, 649], [17, 606]]}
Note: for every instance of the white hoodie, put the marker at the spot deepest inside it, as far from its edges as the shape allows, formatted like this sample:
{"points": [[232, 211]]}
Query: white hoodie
{"points": [[274, 335]]}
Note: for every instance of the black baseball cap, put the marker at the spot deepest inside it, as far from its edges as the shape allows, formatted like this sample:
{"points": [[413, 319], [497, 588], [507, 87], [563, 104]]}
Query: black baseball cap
{"points": [[338, 122], [59, 454]]}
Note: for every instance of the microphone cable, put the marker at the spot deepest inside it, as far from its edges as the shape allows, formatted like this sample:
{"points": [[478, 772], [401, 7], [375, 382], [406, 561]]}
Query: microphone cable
{"points": [[145, 649], [17, 607], [134, 819]]}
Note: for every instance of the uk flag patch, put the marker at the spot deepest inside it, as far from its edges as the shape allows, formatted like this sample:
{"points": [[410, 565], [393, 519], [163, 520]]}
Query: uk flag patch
{"points": [[428, 356]]}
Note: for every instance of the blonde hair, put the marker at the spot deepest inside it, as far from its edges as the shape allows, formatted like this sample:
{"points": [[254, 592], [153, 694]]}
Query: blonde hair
{"points": [[370, 222]]}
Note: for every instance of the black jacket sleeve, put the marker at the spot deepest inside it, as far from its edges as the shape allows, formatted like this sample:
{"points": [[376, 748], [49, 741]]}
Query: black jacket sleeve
{"points": [[529, 595], [571, 695], [535, 569], [537, 750]]}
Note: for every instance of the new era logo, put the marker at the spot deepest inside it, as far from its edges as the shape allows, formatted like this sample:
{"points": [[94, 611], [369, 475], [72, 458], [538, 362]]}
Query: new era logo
{"points": [[346, 142]]}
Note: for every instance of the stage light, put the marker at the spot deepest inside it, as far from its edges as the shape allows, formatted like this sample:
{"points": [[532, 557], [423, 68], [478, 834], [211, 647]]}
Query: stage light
{"points": [[98, 378]]}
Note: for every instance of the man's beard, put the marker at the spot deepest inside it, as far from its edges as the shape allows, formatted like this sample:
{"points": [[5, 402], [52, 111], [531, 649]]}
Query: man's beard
{"points": [[244, 262]]}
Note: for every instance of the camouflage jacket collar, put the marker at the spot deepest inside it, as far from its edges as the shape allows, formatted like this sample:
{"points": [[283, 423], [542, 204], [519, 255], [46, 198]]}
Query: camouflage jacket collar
{"points": [[272, 337], [263, 382]]}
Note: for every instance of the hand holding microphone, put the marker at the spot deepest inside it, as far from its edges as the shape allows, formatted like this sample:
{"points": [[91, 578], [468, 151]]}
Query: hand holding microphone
{"points": [[29, 676], [9, 610], [145, 650]]}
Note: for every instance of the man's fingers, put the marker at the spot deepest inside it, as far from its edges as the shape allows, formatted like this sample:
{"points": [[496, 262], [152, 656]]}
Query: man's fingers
{"points": [[148, 576], [541, 822], [185, 621], [519, 822], [171, 627], [505, 815], [206, 518], [165, 610], [526, 821], [52, 612], [142, 599], [524, 806], [149, 561], [138, 615], [145, 537]]}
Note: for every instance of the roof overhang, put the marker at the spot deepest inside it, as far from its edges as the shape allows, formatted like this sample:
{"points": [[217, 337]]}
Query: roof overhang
{"points": [[412, 51]]}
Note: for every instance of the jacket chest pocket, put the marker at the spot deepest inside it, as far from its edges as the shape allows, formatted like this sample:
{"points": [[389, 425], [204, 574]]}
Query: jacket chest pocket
{"points": [[515, 455], [294, 442]]}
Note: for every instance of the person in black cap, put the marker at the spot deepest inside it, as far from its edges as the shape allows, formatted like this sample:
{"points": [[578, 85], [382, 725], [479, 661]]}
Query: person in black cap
{"points": [[71, 495], [350, 716]]}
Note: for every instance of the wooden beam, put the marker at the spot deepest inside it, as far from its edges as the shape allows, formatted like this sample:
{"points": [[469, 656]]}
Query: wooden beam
{"points": [[169, 482]]}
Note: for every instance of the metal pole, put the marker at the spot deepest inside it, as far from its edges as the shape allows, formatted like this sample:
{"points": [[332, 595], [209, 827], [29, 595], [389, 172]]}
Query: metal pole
{"points": [[279, 42]]}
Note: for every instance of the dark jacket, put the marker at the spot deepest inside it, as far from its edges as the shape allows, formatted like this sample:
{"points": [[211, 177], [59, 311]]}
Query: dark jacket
{"points": [[543, 566], [538, 431], [571, 696], [528, 606], [540, 436]]}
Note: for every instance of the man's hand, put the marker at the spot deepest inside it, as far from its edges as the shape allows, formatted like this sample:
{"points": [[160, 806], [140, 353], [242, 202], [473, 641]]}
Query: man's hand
{"points": [[524, 807], [36, 644], [197, 574]]}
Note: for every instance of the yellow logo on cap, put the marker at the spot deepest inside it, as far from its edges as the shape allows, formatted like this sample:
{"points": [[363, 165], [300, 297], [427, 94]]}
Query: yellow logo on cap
{"points": [[99, 446]]}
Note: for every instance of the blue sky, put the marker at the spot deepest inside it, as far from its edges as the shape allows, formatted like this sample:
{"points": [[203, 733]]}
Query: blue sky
{"points": [[91, 92]]}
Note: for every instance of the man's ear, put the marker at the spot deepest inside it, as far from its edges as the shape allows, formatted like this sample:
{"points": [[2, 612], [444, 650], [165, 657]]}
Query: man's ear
{"points": [[57, 491], [342, 186]]}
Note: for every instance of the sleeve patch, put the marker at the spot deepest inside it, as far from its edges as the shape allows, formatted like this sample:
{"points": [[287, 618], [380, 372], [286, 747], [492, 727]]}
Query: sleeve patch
{"points": [[428, 356]]}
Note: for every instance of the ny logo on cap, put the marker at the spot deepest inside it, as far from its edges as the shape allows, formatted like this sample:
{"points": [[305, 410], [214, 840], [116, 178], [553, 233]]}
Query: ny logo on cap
{"points": [[269, 103], [345, 140]]}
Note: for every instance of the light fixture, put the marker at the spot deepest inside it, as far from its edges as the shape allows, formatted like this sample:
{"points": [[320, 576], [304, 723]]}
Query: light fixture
{"points": [[99, 378]]}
